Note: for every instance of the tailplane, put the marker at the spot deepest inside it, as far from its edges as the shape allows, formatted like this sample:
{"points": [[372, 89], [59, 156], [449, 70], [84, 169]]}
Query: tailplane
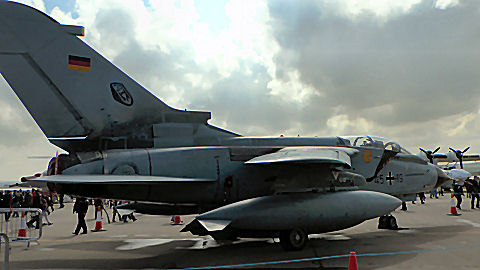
{"points": [[74, 93]]}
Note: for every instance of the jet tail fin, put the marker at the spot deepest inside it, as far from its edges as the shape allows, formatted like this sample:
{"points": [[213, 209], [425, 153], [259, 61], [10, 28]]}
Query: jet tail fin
{"points": [[70, 89]]}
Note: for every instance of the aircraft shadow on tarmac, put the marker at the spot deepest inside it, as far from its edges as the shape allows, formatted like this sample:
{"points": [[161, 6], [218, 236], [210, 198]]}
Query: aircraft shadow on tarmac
{"points": [[176, 253]]}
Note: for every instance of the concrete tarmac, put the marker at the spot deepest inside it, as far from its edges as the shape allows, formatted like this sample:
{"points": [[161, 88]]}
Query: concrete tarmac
{"points": [[429, 239]]}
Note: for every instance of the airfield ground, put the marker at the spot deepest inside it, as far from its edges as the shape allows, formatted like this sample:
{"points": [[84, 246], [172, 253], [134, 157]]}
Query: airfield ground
{"points": [[430, 239]]}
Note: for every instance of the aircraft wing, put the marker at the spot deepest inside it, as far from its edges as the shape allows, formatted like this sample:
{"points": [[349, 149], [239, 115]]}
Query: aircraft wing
{"points": [[439, 156], [471, 157], [116, 179], [307, 155], [445, 158]]}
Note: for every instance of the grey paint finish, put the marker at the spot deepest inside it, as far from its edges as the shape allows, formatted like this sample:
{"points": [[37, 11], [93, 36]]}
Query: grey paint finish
{"points": [[313, 212], [82, 103]]}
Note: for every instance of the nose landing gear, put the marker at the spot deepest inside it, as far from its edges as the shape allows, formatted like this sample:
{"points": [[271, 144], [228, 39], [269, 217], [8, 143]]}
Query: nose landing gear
{"points": [[388, 222]]}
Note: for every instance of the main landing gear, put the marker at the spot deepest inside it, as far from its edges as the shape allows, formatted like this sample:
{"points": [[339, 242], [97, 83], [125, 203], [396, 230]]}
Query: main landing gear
{"points": [[295, 239], [387, 222]]}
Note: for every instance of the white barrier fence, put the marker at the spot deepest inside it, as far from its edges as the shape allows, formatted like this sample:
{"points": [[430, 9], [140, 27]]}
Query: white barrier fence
{"points": [[28, 228], [6, 255], [19, 224]]}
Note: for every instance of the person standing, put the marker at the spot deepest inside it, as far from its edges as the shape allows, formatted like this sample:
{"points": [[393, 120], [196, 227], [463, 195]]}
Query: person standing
{"points": [[475, 189], [36, 203], [44, 208], [16, 202], [468, 187], [115, 211], [99, 203], [27, 200], [60, 200], [404, 206], [81, 208], [458, 192], [50, 202], [422, 197]]}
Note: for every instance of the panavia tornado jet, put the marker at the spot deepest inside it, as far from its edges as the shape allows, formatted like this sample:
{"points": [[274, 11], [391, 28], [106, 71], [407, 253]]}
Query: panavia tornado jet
{"points": [[125, 143]]}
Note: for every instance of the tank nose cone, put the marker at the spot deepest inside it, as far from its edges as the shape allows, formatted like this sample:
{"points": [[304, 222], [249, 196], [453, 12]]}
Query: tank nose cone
{"points": [[391, 202], [382, 204]]}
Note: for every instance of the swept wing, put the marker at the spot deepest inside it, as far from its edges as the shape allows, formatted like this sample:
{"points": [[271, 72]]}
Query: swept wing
{"points": [[116, 179], [308, 155]]}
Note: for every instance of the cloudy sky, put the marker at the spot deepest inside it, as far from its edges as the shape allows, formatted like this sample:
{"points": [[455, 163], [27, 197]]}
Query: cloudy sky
{"points": [[406, 70]]}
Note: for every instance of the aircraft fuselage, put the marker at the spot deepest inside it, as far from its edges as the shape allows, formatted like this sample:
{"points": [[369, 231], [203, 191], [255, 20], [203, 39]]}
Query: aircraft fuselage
{"points": [[233, 180]]}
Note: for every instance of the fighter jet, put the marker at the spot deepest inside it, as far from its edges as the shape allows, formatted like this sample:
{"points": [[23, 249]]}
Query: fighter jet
{"points": [[125, 143]]}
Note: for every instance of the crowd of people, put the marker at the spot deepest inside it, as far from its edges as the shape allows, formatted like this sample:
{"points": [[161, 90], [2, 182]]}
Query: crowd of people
{"points": [[27, 199], [472, 188], [35, 199], [469, 188], [81, 208]]}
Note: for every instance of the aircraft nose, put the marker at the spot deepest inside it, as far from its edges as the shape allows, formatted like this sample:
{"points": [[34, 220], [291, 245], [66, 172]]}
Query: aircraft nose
{"points": [[442, 177]]}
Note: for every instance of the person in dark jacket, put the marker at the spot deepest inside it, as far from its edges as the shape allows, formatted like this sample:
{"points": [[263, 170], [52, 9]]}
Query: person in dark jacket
{"points": [[474, 188], [36, 203], [115, 211], [16, 202], [458, 193], [27, 200], [44, 208], [81, 207], [60, 200]]}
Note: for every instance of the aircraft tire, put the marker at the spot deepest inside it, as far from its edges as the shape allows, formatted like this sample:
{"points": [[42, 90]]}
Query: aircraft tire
{"points": [[392, 223], [295, 239], [382, 222]]}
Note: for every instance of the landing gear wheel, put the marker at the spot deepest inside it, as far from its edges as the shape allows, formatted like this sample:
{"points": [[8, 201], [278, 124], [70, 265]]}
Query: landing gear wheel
{"points": [[382, 222], [295, 239], [392, 223], [387, 222]]}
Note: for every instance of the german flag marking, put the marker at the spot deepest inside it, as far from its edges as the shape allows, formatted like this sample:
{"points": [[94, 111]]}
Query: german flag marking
{"points": [[78, 63]]}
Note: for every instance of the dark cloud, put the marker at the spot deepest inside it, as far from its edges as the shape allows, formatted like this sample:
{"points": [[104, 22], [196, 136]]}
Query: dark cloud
{"points": [[423, 63], [243, 102]]}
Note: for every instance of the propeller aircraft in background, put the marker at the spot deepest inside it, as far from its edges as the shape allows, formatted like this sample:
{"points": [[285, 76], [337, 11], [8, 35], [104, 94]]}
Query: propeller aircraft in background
{"points": [[465, 170], [453, 156]]}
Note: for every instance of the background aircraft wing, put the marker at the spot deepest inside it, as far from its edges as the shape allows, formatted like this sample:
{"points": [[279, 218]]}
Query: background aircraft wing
{"points": [[445, 158], [307, 155], [439, 156], [115, 179], [471, 157]]}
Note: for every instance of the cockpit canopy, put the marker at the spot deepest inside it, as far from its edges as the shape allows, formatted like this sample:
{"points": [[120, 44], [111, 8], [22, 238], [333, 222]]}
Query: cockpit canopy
{"points": [[376, 142]]}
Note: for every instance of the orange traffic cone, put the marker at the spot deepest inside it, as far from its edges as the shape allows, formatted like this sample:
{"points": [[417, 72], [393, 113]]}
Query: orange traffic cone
{"points": [[177, 220], [453, 207], [22, 231], [352, 262], [98, 221]]}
